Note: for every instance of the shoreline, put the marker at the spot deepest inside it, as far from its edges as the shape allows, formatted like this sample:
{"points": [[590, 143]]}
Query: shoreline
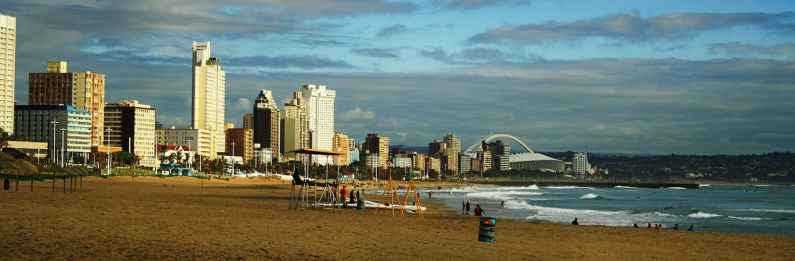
{"points": [[186, 218]]}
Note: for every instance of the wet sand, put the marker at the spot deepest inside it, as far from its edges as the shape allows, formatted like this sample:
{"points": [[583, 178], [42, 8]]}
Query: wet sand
{"points": [[185, 218]]}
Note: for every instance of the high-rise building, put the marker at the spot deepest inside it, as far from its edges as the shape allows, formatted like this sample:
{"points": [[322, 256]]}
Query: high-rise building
{"points": [[320, 113], [436, 147], [464, 163], [248, 121], [209, 87], [8, 57], [450, 156], [266, 123], [84, 90], [418, 161], [295, 126], [341, 146], [132, 127], [376, 147], [240, 142], [501, 155], [71, 135], [580, 163], [90, 95]]}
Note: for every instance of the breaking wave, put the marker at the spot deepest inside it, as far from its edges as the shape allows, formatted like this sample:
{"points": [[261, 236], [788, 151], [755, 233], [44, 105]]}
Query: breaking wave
{"points": [[703, 215], [785, 211], [749, 218], [591, 196], [567, 187]]}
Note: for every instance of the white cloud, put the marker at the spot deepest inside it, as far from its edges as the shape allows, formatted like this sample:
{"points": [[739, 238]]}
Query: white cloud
{"points": [[357, 114]]}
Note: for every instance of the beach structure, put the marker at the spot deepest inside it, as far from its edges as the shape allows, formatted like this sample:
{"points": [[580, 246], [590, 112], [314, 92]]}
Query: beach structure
{"points": [[302, 184]]}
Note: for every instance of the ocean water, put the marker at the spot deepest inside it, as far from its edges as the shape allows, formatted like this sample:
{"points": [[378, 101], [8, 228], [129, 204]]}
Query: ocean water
{"points": [[720, 208]]}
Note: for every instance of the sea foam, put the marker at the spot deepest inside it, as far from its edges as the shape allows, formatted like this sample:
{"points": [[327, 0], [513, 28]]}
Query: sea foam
{"points": [[703, 215], [567, 187], [786, 211], [749, 218], [590, 196]]}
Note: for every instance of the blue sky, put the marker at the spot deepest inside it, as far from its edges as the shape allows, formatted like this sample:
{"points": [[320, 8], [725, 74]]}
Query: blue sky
{"points": [[609, 76]]}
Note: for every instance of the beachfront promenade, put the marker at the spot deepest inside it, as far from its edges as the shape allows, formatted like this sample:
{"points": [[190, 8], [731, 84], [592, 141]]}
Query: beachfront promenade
{"points": [[186, 218]]}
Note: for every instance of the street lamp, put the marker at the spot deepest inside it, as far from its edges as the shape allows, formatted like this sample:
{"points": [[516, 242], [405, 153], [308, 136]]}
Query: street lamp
{"points": [[63, 148], [110, 158], [233, 158], [52, 141]]}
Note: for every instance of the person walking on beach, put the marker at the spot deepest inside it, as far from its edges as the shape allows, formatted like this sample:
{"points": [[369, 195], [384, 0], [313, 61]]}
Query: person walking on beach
{"points": [[502, 204], [478, 211], [463, 207], [649, 225], [467, 207], [350, 197], [343, 191], [430, 194], [676, 226]]}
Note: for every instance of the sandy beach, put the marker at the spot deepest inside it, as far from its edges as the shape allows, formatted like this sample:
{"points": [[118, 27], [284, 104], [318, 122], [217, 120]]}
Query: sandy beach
{"points": [[184, 218]]}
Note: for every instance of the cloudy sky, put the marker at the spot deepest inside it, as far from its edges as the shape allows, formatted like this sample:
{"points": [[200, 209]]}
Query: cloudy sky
{"points": [[608, 76]]}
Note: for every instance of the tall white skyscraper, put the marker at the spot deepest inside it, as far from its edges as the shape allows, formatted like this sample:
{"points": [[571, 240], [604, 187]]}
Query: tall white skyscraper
{"points": [[8, 62], [320, 113], [209, 84]]}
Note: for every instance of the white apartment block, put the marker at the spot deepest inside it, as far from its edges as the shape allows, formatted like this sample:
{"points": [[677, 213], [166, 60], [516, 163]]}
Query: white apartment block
{"points": [[580, 163], [320, 113], [209, 84], [8, 50]]}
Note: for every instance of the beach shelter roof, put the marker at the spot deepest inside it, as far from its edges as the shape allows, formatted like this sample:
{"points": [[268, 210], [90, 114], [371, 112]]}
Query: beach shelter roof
{"points": [[316, 152]]}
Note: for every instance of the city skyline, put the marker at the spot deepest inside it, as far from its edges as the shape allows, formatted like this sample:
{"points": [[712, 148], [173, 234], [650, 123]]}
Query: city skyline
{"points": [[651, 77]]}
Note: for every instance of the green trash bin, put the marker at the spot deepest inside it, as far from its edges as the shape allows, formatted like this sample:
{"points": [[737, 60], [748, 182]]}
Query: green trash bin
{"points": [[486, 229]]}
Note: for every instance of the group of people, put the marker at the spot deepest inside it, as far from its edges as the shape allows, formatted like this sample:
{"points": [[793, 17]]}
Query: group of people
{"points": [[478, 211], [660, 226], [655, 226], [349, 197]]}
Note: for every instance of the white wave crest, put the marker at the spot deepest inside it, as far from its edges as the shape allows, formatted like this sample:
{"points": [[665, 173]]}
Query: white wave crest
{"points": [[676, 188], [625, 187], [785, 211], [589, 216], [704, 185], [502, 195], [749, 218], [567, 187], [703, 215], [590, 196]]}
